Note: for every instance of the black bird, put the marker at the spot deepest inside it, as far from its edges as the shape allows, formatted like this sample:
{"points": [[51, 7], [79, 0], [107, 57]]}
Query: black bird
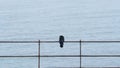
{"points": [[61, 40]]}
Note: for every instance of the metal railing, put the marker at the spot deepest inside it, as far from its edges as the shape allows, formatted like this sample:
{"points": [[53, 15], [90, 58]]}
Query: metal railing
{"points": [[80, 55]]}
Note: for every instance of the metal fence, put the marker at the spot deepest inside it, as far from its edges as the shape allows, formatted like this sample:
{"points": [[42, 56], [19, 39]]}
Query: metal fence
{"points": [[78, 56]]}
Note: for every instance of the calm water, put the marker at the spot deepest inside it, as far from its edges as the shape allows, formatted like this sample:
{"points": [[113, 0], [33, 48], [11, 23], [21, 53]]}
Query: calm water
{"points": [[47, 19]]}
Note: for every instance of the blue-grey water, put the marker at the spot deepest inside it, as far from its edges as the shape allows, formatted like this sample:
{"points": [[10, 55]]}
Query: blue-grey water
{"points": [[47, 19]]}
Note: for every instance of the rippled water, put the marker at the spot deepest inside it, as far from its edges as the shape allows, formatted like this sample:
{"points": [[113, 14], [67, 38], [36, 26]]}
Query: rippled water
{"points": [[47, 19]]}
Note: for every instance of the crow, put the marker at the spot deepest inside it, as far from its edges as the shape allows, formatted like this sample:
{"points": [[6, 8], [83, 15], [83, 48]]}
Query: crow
{"points": [[61, 41]]}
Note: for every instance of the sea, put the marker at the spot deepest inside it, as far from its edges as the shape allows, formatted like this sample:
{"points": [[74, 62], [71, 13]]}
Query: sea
{"points": [[46, 20]]}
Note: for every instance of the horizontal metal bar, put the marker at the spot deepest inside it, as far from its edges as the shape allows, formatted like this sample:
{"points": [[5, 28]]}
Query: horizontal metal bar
{"points": [[19, 41], [18, 56], [100, 55], [65, 56], [58, 41], [62, 67], [83, 67], [100, 67], [100, 41]]}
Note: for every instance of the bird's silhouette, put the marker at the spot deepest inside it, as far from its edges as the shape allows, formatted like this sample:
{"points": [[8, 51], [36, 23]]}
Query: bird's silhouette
{"points": [[61, 40]]}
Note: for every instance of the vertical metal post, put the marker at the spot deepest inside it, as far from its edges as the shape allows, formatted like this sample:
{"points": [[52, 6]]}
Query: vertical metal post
{"points": [[39, 54], [80, 54]]}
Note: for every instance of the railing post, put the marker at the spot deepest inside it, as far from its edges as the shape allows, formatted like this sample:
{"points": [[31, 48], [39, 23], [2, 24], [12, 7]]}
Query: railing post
{"points": [[80, 54], [38, 53]]}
